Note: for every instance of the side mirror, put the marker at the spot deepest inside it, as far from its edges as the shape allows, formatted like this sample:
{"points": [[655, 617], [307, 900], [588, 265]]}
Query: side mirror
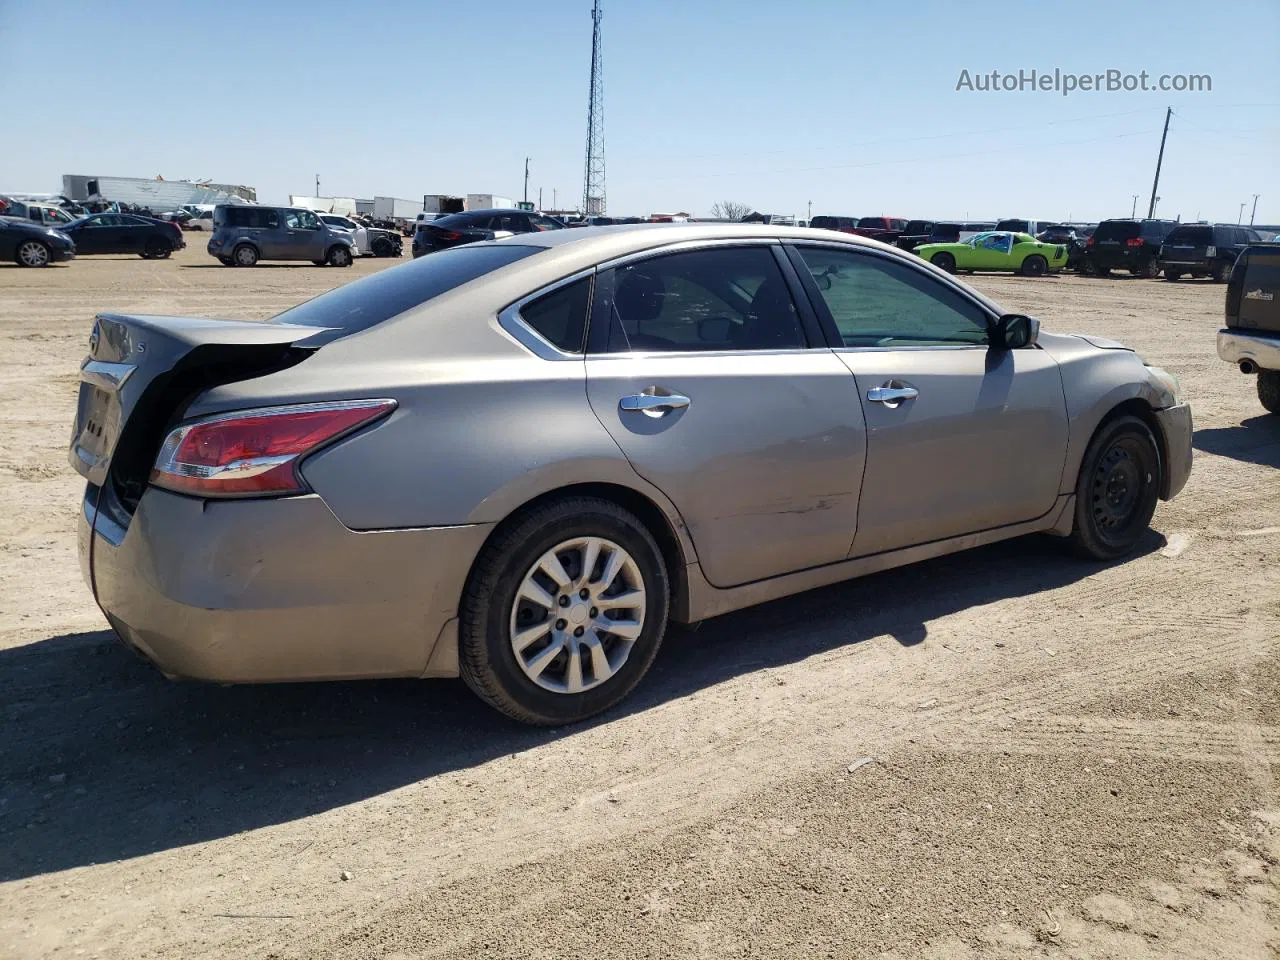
{"points": [[1015, 330]]}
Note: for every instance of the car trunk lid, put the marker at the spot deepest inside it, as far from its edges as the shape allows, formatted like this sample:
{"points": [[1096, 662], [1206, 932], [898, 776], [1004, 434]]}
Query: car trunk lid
{"points": [[142, 370]]}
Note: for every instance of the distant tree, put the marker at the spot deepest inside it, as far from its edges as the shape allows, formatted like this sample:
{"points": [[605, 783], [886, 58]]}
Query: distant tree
{"points": [[730, 210]]}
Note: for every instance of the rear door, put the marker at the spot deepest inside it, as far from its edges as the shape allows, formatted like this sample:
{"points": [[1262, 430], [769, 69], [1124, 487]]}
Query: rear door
{"points": [[960, 438], [92, 236], [702, 370]]}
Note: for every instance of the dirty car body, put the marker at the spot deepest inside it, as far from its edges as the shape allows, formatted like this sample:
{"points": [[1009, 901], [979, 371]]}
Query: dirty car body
{"points": [[519, 459]]}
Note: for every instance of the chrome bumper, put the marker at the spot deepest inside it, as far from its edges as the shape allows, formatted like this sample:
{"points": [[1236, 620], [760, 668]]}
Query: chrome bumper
{"points": [[1262, 348]]}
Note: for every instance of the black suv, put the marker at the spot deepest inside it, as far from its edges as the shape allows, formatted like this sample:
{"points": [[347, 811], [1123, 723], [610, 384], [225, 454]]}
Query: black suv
{"points": [[1203, 250], [828, 222], [1131, 244]]}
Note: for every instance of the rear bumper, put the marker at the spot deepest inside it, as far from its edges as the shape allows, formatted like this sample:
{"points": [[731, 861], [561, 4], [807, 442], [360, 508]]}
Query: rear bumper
{"points": [[255, 591], [1176, 428], [1262, 348]]}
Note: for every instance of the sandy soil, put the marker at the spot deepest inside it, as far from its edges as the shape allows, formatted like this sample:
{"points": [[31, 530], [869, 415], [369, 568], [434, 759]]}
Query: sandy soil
{"points": [[1070, 760]]}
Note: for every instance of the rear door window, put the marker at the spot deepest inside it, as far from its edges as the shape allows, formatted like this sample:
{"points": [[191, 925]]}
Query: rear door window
{"points": [[380, 296], [1116, 230], [1190, 237]]}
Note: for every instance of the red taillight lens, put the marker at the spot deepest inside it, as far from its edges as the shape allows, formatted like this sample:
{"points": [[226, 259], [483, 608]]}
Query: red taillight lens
{"points": [[451, 235], [255, 451], [1133, 242], [1089, 242]]}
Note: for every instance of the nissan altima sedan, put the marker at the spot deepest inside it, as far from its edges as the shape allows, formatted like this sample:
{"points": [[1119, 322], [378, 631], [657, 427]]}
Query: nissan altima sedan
{"points": [[517, 461]]}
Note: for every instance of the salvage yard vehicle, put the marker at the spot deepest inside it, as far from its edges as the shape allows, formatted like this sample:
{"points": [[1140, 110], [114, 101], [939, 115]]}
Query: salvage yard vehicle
{"points": [[125, 233], [1131, 244], [245, 234], [370, 241], [476, 225], [29, 244], [517, 461], [833, 222], [1019, 252], [1251, 339], [1203, 250]]}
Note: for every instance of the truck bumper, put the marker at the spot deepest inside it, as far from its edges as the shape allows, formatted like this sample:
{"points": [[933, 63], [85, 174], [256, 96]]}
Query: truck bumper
{"points": [[1262, 348]]}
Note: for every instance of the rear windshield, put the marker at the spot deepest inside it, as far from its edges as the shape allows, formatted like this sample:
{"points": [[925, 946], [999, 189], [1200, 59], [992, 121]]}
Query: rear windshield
{"points": [[379, 297], [1117, 230], [1017, 226], [1194, 236], [870, 223]]}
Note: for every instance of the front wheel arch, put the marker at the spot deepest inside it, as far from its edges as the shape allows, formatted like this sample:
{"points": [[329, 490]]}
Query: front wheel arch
{"points": [[1137, 407]]}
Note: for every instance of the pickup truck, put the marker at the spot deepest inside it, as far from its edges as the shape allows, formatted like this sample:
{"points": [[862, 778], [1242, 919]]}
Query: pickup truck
{"points": [[887, 229], [1251, 338]]}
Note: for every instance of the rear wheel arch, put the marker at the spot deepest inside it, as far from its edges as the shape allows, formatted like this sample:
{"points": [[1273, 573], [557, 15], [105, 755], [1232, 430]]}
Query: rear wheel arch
{"points": [[655, 519]]}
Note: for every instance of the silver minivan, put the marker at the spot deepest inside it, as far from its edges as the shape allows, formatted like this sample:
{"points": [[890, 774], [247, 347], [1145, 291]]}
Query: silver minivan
{"points": [[244, 234]]}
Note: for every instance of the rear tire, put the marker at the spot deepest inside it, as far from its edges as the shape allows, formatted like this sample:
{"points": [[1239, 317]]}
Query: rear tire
{"points": [[1172, 275], [1222, 272], [156, 249], [382, 247], [1035, 266], [944, 261], [1269, 390], [1150, 270], [245, 255], [338, 256], [495, 601], [1117, 490]]}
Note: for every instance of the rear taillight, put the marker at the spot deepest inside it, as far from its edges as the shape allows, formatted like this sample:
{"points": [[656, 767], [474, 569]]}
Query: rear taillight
{"points": [[1089, 242], [256, 452], [1133, 242], [450, 235]]}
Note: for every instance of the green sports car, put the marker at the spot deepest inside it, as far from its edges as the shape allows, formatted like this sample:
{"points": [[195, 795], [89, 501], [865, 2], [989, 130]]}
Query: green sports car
{"points": [[999, 250]]}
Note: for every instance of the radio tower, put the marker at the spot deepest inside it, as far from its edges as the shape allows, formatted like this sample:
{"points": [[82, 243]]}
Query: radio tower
{"points": [[593, 203]]}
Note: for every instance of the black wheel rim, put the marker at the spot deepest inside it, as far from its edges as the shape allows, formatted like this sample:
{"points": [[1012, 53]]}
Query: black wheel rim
{"points": [[1119, 489]]}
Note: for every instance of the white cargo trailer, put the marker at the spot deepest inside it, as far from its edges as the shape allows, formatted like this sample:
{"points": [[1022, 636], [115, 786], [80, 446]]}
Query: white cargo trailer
{"points": [[488, 201], [396, 208]]}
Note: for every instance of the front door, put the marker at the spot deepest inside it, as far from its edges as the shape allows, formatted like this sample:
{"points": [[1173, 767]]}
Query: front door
{"points": [[960, 437], [304, 236], [701, 370]]}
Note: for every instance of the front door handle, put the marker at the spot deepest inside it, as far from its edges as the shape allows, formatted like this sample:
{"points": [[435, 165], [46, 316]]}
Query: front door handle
{"points": [[653, 404], [892, 394]]}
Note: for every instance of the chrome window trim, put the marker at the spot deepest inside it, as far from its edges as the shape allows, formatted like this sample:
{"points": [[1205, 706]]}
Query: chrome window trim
{"points": [[514, 324], [683, 246], [704, 354], [898, 348]]}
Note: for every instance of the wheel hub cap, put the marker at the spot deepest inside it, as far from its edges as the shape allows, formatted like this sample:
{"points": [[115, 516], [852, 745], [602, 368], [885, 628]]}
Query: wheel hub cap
{"points": [[577, 614]]}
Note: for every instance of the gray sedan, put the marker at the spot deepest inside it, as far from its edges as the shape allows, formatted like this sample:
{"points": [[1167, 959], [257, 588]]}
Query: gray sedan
{"points": [[517, 461]]}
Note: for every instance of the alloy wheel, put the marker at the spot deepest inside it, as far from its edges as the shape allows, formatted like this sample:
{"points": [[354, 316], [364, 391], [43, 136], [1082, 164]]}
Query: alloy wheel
{"points": [[33, 253], [577, 615]]}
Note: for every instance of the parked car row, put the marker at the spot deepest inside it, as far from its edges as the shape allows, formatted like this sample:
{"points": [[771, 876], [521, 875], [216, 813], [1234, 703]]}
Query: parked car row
{"points": [[30, 243]]}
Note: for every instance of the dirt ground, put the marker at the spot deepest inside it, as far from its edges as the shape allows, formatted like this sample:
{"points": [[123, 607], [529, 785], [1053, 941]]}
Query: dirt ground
{"points": [[1070, 759]]}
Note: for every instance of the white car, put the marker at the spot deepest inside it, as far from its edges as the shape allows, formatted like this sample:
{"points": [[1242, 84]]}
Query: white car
{"points": [[201, 221], [361, 235]]}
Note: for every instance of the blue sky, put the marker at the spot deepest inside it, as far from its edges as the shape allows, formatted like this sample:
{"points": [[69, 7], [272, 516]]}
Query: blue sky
{"points": [[850, 105]]}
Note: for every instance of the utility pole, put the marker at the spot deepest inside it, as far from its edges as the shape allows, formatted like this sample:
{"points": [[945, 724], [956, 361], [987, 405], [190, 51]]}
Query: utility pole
{"points": [[317, 184], [539, 199], [1255, 208], [1134, 212], [1155, 185], [526, 179], [810, 209], [554, 204], [1240, 216]]}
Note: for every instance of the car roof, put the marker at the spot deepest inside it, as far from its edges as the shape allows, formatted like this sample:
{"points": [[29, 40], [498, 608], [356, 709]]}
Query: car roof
{"points": [[637, 237]]}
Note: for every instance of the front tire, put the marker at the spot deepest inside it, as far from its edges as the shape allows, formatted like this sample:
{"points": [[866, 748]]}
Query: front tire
{"points": [[382, 247], [1035, 266], [1117, 490], [1269, 390], [339, 256], [564, 612], [33, 253], [944, 261]]}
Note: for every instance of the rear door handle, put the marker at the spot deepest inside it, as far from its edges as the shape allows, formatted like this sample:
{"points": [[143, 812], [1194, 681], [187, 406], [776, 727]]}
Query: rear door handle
{"points": [[653, 404], [892, 394]]}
